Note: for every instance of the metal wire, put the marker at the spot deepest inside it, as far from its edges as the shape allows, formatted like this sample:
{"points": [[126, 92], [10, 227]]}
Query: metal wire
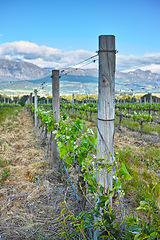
{"points": [[76, 68], [83, 61]]}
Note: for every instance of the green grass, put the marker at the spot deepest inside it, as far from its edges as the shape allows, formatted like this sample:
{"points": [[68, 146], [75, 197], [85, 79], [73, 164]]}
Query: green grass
{"points": [[147, 126], [142, 164], [2, 164], [4, 170], [9, 112]]}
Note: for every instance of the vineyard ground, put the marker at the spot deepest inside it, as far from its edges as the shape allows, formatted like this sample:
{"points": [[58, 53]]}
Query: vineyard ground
{"points": [[30, 190]]}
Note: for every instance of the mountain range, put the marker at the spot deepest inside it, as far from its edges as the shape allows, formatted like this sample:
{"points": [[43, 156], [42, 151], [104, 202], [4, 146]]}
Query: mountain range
{"points": [[22, 77]]}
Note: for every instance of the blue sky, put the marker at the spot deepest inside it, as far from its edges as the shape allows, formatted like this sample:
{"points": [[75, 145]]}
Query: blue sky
{"points": [[66, 32]]}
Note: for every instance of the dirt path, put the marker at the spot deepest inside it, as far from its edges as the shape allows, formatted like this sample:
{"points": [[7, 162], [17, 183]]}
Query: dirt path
{"points": [[31, 194]]}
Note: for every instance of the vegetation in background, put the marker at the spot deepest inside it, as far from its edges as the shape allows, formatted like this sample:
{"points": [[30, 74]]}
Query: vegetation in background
{"points": [[9, 112]]}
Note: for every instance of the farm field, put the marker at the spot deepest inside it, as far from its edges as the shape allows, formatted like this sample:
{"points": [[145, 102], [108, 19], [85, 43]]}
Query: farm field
{"points": [[31, 190]]}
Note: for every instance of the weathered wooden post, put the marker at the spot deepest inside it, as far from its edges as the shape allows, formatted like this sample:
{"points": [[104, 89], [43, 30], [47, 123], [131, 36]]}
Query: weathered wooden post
{"points": [[117, 100], [30, 99], [56, 115], [35, 107], [140, 101], [150, 101], [72, 102], [106, 109]]}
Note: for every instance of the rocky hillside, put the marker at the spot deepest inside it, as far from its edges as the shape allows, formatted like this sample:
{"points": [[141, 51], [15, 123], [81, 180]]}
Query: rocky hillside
{"points": [[12, 71], [139, 78]]}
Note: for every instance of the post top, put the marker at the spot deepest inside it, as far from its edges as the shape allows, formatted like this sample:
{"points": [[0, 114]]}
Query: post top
{"points": [[55, 71], [106, 36]]}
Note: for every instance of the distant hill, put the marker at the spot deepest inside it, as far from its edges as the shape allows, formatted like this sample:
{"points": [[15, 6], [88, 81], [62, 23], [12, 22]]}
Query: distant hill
{"points": [[24, 77], [137, 80], [15, 71]]}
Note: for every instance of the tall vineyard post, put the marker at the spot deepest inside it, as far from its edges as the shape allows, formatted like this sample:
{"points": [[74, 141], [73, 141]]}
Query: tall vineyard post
{"points": [[106, 109], [150, 100], [30, 99], [72, 102], [35, 107], [56, 115]]}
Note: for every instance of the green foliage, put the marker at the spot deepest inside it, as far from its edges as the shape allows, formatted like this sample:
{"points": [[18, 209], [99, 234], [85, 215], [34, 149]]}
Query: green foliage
{"points": [[78, 223], [109, 226], [123, 172], [72, 142], [142, 117], [46, 116], [75, 144]]}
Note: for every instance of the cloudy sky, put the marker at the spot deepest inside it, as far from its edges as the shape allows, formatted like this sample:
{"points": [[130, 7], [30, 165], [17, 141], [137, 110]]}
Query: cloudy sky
{"points": [[59, 34]]}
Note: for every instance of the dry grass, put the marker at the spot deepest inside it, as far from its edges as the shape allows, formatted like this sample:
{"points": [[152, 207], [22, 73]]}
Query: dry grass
{"points": [[31, 194]]}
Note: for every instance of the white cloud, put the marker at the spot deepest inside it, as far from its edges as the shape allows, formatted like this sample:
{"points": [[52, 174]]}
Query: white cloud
{"points": [[152, 67], [44, 56], [146, 62], [1, 35]]}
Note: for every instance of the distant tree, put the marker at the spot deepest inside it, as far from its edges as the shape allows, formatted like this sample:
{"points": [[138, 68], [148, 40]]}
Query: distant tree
{"points": [[23, 99]]}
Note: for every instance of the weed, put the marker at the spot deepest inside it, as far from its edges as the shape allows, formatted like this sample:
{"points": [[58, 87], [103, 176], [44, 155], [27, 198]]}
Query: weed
{"points": [[4, 174], [2, 164], [10, 162]]}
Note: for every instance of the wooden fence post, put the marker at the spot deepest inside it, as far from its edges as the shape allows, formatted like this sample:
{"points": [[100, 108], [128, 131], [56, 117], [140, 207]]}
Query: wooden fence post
{"points": [[30, 99], [150, 101], [140, 101], [56, 115], [35, 107], [72, 102], [55, 95], [106, 109]]}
